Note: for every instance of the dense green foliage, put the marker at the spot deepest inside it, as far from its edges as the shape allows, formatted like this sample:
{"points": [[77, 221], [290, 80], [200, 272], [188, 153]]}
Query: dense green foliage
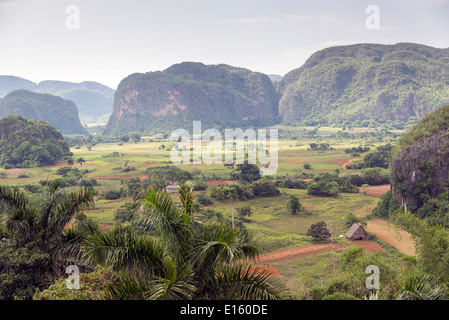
{"points": [[60, 113], [29, 143], [420, 168], [181, 259], [261, 188], [217, 95], [366, 82], [319, 232], [380, 158], [329, 185], [36, 243]]}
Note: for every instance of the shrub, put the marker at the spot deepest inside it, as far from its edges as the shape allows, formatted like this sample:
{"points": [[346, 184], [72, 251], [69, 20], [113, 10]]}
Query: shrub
{"points": [[319, 232], [204, 199], [114, 194]]}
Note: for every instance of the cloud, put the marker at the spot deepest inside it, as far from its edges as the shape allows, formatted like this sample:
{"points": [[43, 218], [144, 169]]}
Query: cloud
{"points": [[7, 5], [285, 18], [433, 1]]}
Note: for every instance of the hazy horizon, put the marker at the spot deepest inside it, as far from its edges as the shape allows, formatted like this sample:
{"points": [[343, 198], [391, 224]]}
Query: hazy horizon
{"points": [[114, 39]]}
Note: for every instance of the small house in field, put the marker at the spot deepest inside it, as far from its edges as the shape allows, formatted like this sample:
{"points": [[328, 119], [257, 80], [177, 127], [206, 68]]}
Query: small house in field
{"points": [[172, 188], [356, 232]]}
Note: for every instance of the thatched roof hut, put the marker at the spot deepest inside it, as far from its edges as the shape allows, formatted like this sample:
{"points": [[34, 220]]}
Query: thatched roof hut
{"points": [[356, 232]]}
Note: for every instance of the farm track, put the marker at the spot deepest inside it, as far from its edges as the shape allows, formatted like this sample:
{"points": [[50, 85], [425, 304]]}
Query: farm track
{"points": [[294, 253]]}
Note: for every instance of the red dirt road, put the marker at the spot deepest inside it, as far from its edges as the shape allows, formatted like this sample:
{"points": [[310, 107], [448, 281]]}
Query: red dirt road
{"points": [[218, 182], [294, 253], [345, 164]]}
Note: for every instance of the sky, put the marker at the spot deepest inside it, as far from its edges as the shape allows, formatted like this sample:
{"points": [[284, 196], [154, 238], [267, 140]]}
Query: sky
{"points": [[107, 40]]}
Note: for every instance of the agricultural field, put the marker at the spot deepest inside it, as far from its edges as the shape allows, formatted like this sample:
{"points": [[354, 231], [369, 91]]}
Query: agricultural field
{"points": [[278, 229]]}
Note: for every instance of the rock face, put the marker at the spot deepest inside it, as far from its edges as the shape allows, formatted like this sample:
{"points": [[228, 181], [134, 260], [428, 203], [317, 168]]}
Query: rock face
{"points": [[420, 168], [219, 96], [364, 82], [60, 113]]}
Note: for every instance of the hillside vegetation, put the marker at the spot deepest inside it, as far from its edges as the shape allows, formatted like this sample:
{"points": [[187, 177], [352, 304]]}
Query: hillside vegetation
{"points": [[29, 143], [60, 113], [217, 95], [366, 82], [420, 169]]}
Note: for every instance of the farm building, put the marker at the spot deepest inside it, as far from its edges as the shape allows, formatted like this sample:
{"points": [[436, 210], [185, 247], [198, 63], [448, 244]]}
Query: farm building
{"points": [[172, 188], [356, 232]]}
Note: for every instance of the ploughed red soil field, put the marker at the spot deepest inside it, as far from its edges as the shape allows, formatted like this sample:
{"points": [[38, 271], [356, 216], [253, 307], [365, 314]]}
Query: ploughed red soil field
{"points": [[218, 182], [369, 246], [375, 190], [294, 253]]}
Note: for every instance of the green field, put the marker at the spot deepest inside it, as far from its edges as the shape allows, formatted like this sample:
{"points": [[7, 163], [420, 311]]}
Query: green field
{"points": [[277, 228]]}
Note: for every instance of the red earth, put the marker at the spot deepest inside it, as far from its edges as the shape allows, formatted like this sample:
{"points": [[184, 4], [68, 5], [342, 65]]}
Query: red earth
{"points": [[375, 190], [218, 182], [369, 246], [294, 253], [123, 176]]}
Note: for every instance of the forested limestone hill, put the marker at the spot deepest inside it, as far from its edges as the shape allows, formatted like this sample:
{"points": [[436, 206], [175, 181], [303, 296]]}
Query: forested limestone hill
{"points": [[364, 82], [217, 95]]}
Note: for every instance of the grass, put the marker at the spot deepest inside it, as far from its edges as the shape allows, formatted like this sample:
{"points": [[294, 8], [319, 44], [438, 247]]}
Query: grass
{"points": [[277, 228]]}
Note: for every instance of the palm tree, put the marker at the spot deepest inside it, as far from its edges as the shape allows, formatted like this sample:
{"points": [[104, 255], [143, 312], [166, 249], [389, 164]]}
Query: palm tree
{"points": [[44, 223], [181, 259], [424, 287]]}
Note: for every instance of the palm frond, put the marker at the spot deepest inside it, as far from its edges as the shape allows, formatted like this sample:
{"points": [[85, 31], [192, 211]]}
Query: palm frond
{"points": [[176, 284], [242, 282], [123, 249], [13, 199], [424, 287], [159, 212], [128, 286], [222, 244], [69, 206]]}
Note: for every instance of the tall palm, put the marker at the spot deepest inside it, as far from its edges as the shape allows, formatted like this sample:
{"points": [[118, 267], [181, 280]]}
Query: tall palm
{"points": [[44, 222], [186, 260]]}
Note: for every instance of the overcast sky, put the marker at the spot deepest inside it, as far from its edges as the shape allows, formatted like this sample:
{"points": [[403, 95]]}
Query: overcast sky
{"points": [[42, 40]]}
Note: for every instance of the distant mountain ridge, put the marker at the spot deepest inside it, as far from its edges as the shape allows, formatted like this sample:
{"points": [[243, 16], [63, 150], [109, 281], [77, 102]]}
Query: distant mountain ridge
{"points": [[217, 95], [93, 99], [366, 81], [60, 113]]}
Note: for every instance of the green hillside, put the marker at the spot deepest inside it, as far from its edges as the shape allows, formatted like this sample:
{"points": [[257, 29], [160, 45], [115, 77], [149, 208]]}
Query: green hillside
{"points": [[60, 113], [28, 143], [366, 82], [217, 95], [420, 168]]}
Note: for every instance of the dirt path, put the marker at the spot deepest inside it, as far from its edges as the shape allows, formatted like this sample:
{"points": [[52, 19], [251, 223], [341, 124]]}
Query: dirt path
{"points": [[294, 253], [345, 164], [387, 232], [218, 182], [375, 190], [123, 177], [14, 171]]}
